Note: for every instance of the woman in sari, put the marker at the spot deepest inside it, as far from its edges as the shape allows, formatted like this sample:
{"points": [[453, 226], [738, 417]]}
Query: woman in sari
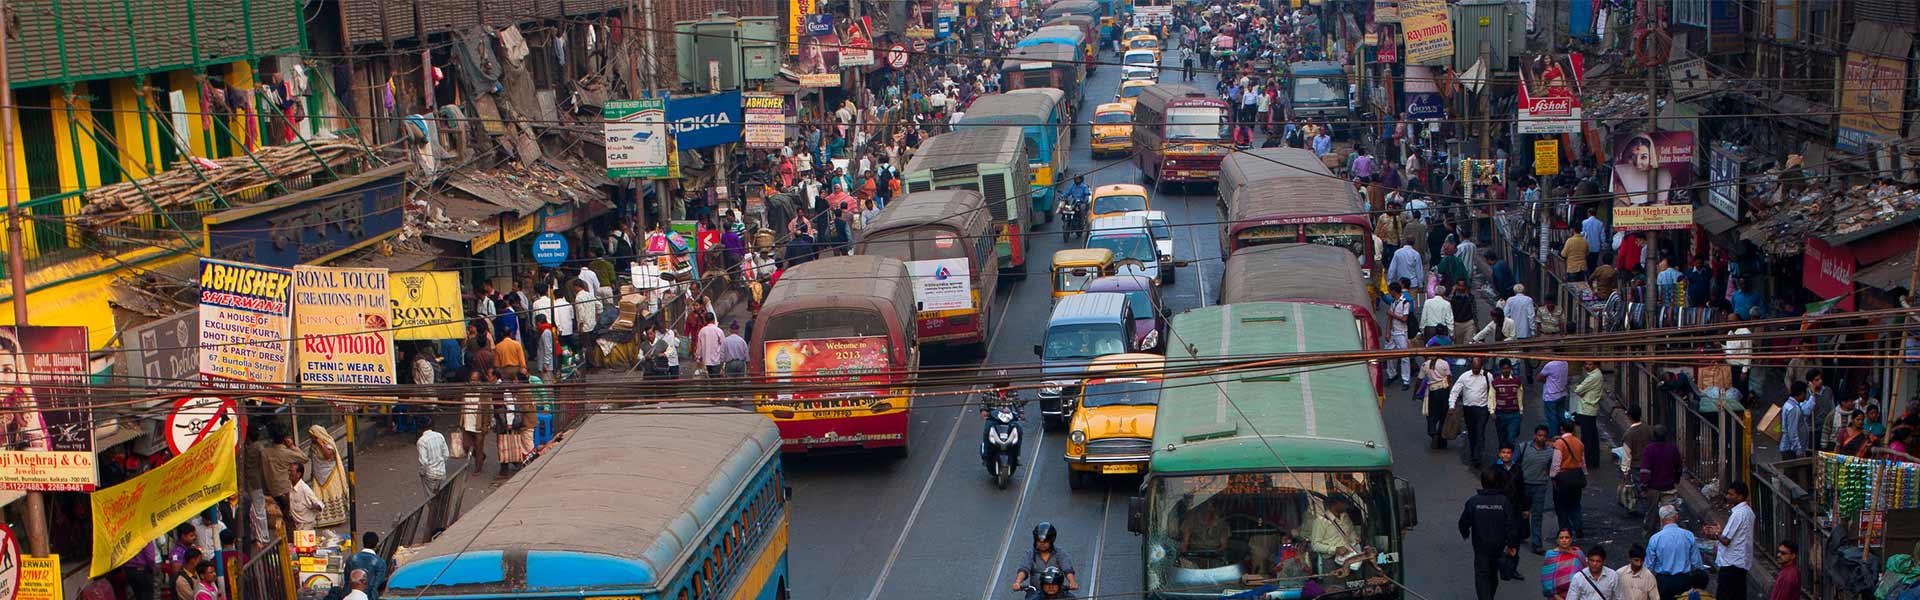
{"points": [[1561, 563], [329, 477]]}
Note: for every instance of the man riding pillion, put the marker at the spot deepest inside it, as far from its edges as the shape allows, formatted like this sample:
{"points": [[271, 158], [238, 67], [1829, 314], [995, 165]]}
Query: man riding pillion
{"points": [[1042, 560]]}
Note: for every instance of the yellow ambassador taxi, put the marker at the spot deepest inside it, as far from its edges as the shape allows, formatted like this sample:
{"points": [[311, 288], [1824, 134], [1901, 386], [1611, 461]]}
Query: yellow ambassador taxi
{"points": [[1112, 428], [1113, 129], [1130, 89], [1117, 199]]}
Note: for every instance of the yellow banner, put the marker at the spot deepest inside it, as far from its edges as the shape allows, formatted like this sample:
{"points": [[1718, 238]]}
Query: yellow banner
{"points": [[39, 578], [797, 11], [1428, 31], [1652, 217], [423, 297], [127, 516], [344, 321], [1546, 157]]}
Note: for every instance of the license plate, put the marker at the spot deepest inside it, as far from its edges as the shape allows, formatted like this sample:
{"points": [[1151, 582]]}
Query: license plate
{"points": [[830, 414], [1119, 469]]}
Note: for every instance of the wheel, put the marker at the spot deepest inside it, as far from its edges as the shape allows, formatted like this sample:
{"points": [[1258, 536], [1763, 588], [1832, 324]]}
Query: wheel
{"points": [[1000, 479], [1170, 277], [1076, 479], [899, 452]]}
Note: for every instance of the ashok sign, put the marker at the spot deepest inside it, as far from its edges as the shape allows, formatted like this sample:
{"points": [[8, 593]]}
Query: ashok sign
{"points": [[704, 121], [1550, 95]]}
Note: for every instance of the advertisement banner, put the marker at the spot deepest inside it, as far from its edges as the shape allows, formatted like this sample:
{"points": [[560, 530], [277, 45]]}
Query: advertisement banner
{"points": [[1546, 157], [245, 322], [40, 578], [49, 444], [1874, 91], [820, 80], [1827, 271], [636, 138], [819, 49], [1389, 50], [797, 11], [1723, 183], [1641, 159], [766, 125], [1651, 218], [1428, 31], [943, 284], [426, 305], [704, 121], [1423, 94], [344, 319], [127, 516], [827, 360], [859, 50], [1386, 11], [1723, 27], [1550, 94], [162, 353]]}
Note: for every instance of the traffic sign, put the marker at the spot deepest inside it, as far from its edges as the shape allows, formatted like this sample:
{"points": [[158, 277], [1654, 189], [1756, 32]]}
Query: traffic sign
{"points": [[550, 249], [193, 419], [9, 564], [897, 56], [919, 45]]}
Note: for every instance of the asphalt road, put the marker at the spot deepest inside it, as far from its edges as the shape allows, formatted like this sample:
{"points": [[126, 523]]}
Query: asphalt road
{"points": [[934, 526]]}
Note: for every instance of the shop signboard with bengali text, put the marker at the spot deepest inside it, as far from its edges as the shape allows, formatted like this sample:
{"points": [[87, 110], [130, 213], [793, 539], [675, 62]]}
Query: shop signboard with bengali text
{"points": [[765, 116], [811, 362], [636, 133], [1874, 89], [127, 516], [1428, 31], [50, 441], [426, 305], [820, 80], [345, 322], [797, 11]]}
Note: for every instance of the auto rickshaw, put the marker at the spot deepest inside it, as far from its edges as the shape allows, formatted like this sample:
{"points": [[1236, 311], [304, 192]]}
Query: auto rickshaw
{"points": [[1074, 269]]}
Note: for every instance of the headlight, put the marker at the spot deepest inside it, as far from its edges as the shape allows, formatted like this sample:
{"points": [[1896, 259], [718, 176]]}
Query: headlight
{"points": [[1012, 437], [1152, 339], [1051, 388], [1077, 437]]}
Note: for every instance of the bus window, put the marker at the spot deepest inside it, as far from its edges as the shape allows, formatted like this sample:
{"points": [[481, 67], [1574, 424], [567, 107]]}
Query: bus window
{"points": [[1311, 522], [1352, 237], [825, 323], [1196, 123]]}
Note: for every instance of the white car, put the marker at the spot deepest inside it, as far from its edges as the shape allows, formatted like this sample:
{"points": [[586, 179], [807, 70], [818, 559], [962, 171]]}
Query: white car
{"points": [[1140, 64], [1162, 238]]}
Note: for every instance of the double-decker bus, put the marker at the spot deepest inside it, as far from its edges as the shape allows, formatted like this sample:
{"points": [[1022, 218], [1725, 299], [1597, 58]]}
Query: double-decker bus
{"points": [[666, 504], [943, 237], [1291, 461], [1285, 196], [1180, 134], [836, 341], [1044, 119], [989, 160]]}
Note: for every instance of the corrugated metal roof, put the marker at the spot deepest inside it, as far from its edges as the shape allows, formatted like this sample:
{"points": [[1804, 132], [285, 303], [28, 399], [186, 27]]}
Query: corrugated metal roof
{"points": [[984, 145], [102, 38]]}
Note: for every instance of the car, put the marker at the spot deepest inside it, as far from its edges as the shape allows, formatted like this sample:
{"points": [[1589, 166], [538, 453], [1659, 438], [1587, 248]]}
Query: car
{"points": [[1112, 432], [1140, 65], [1144, 42], [1083, 327], [1117, 199], [1162, 238], [1130, 91], [1112, 129], [1149, 312], [1132, 245]]}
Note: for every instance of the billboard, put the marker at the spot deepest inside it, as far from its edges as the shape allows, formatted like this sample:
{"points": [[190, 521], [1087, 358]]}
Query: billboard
{"points": [[246, 321], [324, 225], [1874, 90], [827, 360], [859, 50], [1423, 94], [162, 353], [426, 305], [1662, 161], [1428, 31], [636, 138], [766, 121], [344, 320], [49, 442], [127, 516], [704, 121], [1550, 94], [941, 284]]}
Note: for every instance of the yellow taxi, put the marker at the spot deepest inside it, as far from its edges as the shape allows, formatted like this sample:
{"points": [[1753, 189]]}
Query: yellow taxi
{"points": [[1134, 32], [1113, 129], [1130, 89], [1144, 41], [1117, 199], [1112, 428]]}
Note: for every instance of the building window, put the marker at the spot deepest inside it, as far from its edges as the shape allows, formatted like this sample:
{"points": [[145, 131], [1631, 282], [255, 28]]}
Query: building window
{"points": [[1786, 20], [1690, 12]]}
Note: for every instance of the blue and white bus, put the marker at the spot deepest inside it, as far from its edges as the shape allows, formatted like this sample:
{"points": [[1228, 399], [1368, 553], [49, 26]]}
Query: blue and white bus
{"points": [[683, 503]]}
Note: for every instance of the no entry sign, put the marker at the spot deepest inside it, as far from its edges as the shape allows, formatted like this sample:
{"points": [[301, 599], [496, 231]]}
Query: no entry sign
{"points": [[194, 418], [9, 564]]}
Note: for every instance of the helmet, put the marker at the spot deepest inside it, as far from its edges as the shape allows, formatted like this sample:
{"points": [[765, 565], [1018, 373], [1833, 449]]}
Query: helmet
{"points": [[1052, 576], [1044, 531]]}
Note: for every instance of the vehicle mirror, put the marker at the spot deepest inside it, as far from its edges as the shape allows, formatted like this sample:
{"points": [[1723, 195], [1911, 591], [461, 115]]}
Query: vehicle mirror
{"points": [[1180, 263], [1136, 514], [1404, 496], [1036, 349]]}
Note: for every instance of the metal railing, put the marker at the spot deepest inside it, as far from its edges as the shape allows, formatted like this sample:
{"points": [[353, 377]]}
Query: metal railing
{"points": [[1783, 511], [268, 575], [433, 515]]}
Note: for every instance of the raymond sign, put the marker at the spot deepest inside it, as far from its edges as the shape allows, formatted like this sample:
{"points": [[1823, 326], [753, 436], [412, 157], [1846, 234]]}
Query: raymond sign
{"points": [[1428, 31], [828, 360], [345, 321], [127, 516], [766, 126], [245, 319], [426, 305], [1546, 157]]}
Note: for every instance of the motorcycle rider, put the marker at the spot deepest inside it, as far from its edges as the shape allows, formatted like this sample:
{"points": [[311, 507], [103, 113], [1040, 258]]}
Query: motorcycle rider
{"points": [[1052, 585], [1002, 394], [1078, 197], [1044, 558]]}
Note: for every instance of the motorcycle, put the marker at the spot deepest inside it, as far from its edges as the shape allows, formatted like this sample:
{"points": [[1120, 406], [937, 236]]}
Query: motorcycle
{"points": [[1069, 221], [1002, 443]]}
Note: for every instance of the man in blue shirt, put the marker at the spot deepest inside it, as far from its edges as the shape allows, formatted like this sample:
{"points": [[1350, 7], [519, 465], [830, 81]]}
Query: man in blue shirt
{"points": [[1746, 302], [1796, 416], [1406, 267], [1595, 231], [1672, 554]]}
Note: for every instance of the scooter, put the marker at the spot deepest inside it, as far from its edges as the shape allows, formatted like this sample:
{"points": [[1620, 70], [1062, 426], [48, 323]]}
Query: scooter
{"points": [[1002, 443]]}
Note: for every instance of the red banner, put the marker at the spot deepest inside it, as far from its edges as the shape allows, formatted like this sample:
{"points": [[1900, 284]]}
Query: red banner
{"points": [[1827, 271], [859, 360]]}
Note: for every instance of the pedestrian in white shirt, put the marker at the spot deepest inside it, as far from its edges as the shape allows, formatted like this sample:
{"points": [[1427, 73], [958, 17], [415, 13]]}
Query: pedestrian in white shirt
{"points": [[586, 311], [304, 504], [591, 278], [1472, 392], [432, 448], [357, 580], [563, 324], [1735, 539], [1437, 312], [1636, 580], [1500, 328], [1398, 313], [1596, 582]]}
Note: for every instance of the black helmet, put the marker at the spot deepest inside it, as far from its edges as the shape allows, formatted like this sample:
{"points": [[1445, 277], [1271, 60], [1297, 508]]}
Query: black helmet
{"points": [[1044, 531], [1052, 576]]}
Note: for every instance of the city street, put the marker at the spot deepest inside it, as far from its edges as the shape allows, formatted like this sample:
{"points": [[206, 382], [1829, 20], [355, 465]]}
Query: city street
{"points": [[864, 527]]}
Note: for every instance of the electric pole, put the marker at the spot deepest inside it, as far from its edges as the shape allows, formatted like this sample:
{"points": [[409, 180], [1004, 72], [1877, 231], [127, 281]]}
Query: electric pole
{"points": [[17, 267]]}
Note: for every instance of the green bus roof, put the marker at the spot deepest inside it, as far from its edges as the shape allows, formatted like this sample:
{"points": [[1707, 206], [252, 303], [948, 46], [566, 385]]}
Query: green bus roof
{"points": [[1311, 417]]}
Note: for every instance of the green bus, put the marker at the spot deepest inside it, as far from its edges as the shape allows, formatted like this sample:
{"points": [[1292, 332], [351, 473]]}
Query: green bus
{"points": [[989, 160], [1274, 482]]}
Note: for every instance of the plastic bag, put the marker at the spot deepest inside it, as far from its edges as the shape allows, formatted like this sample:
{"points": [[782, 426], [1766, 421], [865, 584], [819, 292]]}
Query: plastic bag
{"points": [[459, 448]]}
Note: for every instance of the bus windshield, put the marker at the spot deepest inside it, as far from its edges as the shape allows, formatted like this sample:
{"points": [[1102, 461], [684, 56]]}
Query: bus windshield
{"points": [[1203, 530], [1318, 90], [1136, 246], [1121, 393], [826, 323], [1067, 342], [915, 244], [1196, 123], [1113, 118]]}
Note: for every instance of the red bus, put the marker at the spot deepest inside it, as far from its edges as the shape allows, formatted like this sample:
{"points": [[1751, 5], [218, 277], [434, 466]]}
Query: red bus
{"points": [[1180, 133], [1285, 196], [1310, 273], [847, 321]]}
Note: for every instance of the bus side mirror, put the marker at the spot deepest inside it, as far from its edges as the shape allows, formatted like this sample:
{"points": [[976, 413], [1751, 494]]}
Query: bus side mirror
{"points": [[1036, 349], [1404, 497], [786, 491], [1137, 514]]}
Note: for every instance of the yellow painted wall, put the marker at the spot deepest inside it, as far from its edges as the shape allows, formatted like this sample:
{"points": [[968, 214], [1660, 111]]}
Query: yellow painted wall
{"points": [[240, 77], [198, 138], [137, 160], [82, 301]]}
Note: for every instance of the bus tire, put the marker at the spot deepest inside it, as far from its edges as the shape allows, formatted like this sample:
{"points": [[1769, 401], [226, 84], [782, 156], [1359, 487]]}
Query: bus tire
{"points": [[781, 593], [899, 452]]}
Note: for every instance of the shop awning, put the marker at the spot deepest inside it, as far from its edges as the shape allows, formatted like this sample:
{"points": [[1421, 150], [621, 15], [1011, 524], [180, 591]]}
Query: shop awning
{"points": [[1890, 274], [1712, 220]]}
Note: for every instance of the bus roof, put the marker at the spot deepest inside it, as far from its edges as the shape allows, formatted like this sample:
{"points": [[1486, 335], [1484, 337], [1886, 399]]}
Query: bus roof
{"points": [[1294, 273], [1044, 54], [874, 283], [613, 506], [1303, 418], [1054, 34], [955, 208], [1067, 6], [1310, 188], [968, 147], [1030, 106], [1157, 96], [1251, 166]]}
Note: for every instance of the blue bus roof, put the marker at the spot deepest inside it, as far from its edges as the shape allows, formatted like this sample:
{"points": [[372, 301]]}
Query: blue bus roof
{"points": [[1054, 34], [616, 507]]}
